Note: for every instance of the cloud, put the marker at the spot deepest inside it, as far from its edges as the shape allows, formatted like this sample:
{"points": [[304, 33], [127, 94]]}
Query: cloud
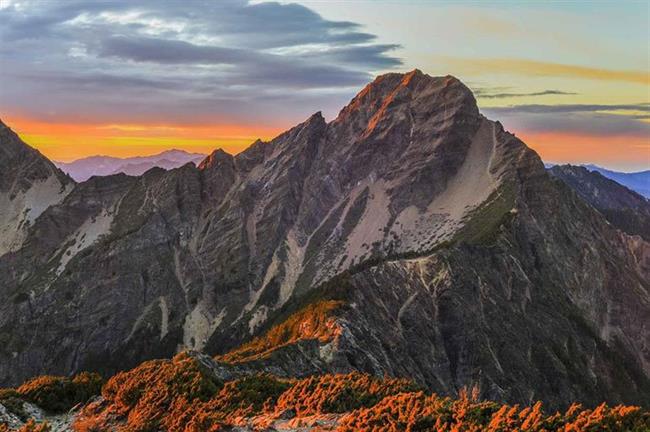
{"points": [[486, 94], [537, 68], [571, 108], [581, 119], [196, 61]]}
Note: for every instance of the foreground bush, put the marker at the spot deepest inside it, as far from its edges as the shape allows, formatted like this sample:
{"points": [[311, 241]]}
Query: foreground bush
{"points": [[236, 401], [339, 393], [183, 395], [58, 394], [146, 394], [180, 396], [30, 426], [316, 321], [419, 412], [13, 402]]}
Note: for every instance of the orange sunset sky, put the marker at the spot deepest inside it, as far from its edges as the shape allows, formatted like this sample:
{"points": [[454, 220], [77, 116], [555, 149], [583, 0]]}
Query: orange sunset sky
{"points": [[572, 79]]}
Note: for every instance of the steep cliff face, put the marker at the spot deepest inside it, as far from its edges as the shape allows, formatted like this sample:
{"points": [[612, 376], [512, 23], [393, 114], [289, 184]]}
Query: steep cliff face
{"points": [[537, 311], [536, 296], [29, 184], [454, 257]]}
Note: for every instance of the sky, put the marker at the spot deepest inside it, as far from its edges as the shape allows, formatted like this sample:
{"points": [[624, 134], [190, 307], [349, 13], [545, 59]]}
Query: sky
{"points": [[124, 78]]}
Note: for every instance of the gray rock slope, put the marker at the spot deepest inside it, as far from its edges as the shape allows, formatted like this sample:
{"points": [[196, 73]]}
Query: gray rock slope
{"points": [[622, 207], [459, 259], [29, 184]]}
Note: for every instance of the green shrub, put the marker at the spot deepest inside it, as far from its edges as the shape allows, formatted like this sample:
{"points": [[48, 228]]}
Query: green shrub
{"points": [[12, 400]]}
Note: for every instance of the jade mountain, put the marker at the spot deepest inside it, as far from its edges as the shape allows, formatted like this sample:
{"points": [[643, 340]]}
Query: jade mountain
{"points": [[410, 236]]}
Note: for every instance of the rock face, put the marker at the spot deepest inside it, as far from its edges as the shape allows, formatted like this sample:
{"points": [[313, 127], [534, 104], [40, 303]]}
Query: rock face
{"points": [[458, 259], [29, 184], [623, 208]]}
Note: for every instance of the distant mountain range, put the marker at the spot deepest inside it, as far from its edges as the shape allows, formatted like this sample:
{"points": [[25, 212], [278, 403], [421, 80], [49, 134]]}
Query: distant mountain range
{"points": [[638, 181], [83, 169], [411, 236]]}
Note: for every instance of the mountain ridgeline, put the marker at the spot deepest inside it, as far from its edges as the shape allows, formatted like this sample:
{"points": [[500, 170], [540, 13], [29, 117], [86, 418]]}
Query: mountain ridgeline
{"points": [[410, 237], [83, 169], [621, 206]]}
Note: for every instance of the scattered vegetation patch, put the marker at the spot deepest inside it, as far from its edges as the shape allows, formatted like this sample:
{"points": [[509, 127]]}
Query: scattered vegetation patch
{"points": [[421, 412], [30, 426], [236, 401], [57, 394], [316, 321], [183, 395], [12, 401], [174, 396], [339, 393], [145, 395]]}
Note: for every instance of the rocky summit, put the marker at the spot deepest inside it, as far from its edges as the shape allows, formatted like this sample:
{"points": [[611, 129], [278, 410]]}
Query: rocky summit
{"points": [[410, 237]]}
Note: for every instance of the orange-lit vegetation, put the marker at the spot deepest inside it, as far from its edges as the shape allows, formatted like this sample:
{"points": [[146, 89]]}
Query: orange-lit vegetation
{"points": [[315, 321], [59, 394], [339, 393], [183, 395], [30, 426], [53, 394], [180, 396], [419, 412], [146, 395]]}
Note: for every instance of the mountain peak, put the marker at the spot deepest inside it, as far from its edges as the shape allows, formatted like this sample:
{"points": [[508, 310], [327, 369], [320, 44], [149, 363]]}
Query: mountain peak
{"points": [[317, 116], [413, 80], [216, 158], [409, 100]]}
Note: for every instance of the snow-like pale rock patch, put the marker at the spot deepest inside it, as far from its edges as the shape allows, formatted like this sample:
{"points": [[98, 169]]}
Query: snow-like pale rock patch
{"points": [[19, 213], [199, 326], [87, 234], [469, 188], [370, 228]]}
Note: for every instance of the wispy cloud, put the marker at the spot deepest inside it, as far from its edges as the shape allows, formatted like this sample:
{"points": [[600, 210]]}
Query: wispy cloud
{"points": [[571, 108], [583, 119], [487, 94], [540, 68]]}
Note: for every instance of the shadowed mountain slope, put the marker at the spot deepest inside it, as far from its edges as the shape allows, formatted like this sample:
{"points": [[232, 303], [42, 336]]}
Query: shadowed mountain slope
{"points": [[29, 184], [637, 181], [623, 208]]}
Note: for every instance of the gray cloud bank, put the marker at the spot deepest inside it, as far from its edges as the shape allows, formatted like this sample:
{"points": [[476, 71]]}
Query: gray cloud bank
{"points": [[588, 119], [486, 94], [197, 61], [225, 61]]}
